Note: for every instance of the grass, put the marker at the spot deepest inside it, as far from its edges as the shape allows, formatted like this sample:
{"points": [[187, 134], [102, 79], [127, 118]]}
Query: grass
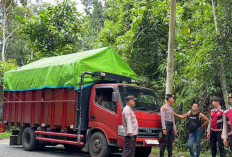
{"points": [[6, 134], [156, 150], [207, 153]]}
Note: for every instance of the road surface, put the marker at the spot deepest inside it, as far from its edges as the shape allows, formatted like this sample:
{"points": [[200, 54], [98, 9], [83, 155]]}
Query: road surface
{"points": [[50, 151]]}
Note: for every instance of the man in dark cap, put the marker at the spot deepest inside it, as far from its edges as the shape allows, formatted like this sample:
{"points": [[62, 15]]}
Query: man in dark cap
{"points": [[215, 126], [227, 124], [168, 125], [130, 126]]}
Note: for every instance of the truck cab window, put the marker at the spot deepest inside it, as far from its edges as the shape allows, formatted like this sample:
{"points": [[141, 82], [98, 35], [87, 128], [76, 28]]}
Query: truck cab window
{"points": [[146, 99], [103, 98]]}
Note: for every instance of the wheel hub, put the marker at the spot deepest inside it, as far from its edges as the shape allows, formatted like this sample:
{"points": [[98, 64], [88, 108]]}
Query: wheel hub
{"points": [[97, 146]]}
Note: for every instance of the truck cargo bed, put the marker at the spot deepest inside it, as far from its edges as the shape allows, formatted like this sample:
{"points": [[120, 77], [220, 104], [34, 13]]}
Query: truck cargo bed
{"points": [[53, 107]]}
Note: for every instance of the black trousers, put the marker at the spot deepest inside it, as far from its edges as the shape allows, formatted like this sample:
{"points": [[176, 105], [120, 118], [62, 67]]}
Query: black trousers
{"points": [[215, 137], [167, 140], [230, 142], [129, 147]]}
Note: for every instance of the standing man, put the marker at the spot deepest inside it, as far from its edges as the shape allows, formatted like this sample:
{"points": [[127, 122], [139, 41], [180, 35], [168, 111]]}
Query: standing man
{"points": [[195, 127], [215, 126], [227, 124], [130, 125], [168, 125]]}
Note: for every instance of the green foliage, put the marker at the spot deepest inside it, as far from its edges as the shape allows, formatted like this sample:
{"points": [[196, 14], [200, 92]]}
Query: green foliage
{"points": [[15, 44], [94, 20], [6, 134], [6, 66], [9, 65], [198, 55], [56, 30], [138, 31]]}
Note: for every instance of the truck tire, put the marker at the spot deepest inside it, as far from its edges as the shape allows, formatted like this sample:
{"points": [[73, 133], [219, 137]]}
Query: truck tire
{"points": [[142, 151], [98, 146], [29, 139]]}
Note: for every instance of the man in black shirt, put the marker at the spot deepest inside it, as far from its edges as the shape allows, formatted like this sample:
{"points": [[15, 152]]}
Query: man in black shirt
{"points": [[195, 127]]}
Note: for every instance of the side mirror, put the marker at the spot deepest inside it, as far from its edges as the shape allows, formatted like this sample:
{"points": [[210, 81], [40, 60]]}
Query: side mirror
{"points": [[181, 107], [115, 96]]}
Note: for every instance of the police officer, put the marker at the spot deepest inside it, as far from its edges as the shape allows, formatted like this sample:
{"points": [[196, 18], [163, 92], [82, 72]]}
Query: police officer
{"points": [[130, 125], [227, 125], [168, 125], [215, 126]]}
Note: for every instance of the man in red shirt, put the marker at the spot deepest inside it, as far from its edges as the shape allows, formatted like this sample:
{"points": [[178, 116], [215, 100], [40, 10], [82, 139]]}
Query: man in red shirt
{"points": [[227, 124], [215, 126]]}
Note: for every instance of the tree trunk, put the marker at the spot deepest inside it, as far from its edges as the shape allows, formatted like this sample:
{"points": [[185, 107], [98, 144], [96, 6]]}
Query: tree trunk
{"points": [[222, 69], [171, 43], [224, 85], [3, 4], [5, 12]]}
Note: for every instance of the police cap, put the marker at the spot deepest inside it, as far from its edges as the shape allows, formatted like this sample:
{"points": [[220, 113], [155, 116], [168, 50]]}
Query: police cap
{"points": [[216, 98], [130, 97]]}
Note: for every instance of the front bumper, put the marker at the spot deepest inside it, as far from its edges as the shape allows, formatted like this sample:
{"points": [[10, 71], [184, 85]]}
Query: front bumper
{"points": [[140, 142]]}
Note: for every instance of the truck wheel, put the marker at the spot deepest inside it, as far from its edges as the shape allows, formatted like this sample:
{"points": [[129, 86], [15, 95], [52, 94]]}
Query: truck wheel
{"points": [[142, 151], [72, 148], [29, 139], [98, 146]]}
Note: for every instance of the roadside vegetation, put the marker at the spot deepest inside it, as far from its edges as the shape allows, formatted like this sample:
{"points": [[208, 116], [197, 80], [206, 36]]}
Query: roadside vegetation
{"points": [[6, 134]]}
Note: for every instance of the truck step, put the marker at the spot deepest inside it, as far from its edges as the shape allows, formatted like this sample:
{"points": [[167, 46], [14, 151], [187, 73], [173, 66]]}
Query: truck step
{"points": [[60, 141], [58, 134]]}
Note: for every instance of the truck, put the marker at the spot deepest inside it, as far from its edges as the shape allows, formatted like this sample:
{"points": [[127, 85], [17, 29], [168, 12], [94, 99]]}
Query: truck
{"points": [[55, 100]]}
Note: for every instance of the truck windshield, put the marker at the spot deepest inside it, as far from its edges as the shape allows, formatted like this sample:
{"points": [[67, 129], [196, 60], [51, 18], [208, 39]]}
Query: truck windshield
{"points": [[146, 99]]}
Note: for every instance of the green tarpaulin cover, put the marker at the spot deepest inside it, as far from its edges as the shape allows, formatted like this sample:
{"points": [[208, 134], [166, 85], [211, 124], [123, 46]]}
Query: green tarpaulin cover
{"points": [[65, 71]]}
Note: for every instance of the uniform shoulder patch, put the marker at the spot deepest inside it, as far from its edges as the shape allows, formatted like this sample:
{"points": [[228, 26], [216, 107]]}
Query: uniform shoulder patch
{"points": [[163, 109], [211, 112]]}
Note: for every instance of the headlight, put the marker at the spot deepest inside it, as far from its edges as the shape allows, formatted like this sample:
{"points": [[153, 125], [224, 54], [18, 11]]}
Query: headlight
{"points": [[120, 130]]}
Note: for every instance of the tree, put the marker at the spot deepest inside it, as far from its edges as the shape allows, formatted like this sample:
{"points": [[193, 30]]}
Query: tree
{"points": [[220, 57], [56, 30], [95, 21], [171, 45], [138, 31], [6, 7], [5, 66]]}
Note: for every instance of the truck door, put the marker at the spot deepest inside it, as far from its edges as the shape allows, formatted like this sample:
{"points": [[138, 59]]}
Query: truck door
{"points": [[104, 111]]}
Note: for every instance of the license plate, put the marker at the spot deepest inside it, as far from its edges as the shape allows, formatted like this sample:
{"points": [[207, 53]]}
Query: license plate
{"points": [[152, 141]]}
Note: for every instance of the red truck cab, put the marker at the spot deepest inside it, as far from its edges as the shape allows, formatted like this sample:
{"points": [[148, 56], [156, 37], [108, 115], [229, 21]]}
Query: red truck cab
{"points": [[108, 119]]}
